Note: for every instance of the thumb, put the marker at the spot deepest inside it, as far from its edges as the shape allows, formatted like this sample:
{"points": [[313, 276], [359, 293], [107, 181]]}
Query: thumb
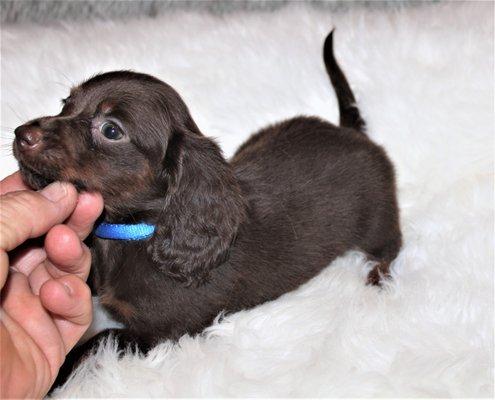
{"points": [[26, 214]]}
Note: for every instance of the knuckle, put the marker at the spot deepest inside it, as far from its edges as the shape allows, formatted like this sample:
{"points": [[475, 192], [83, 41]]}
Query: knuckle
{"points": [[15, 208], [22, 200], [17, 204]]}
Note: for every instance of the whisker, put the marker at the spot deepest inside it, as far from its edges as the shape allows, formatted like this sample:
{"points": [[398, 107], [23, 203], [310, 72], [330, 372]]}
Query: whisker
{"points": [[64, 85], [6, 151], [15, 113], [60, 72]]}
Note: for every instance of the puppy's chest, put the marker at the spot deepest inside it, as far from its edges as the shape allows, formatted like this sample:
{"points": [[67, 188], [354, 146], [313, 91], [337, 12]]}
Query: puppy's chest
{"points": [[121, 277]]}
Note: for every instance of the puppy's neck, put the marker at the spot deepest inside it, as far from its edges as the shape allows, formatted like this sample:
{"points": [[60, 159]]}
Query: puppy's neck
{"points": [[149, 211], [196, 208]]}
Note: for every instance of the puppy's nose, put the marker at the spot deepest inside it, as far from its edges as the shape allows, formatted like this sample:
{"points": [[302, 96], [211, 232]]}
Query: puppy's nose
{"points": [[28, 137]]}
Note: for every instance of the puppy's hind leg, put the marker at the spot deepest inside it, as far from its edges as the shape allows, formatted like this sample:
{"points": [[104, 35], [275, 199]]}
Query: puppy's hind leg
{"points": [[380, 272], [384, 256]]}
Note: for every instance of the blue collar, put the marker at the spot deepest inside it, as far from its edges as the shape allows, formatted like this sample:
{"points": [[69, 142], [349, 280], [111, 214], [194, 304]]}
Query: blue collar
{"points": [[124, 231]]}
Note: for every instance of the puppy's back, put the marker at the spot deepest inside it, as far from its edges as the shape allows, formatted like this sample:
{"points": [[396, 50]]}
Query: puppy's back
{"points": [[312, 169], [314, 191]]}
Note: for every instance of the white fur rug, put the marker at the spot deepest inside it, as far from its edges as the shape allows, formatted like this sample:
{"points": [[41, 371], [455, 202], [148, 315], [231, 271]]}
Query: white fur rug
{"points": [[424, 81]]}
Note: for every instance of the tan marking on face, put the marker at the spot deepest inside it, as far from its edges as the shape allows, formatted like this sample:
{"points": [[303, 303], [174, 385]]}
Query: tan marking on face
{"points": [[106, 106], [84, 174], [145, 174], [69, 173], [125, 309]]}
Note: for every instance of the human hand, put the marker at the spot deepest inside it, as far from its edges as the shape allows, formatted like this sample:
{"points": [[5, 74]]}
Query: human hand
{"points": [[46, 304]]}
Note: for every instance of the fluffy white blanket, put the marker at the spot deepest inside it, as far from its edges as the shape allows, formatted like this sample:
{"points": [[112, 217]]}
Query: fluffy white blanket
{"points": [[424, 81]]}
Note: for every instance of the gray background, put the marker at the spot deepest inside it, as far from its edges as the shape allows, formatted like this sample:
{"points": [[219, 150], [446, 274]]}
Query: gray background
{"points": [[46, 11]]}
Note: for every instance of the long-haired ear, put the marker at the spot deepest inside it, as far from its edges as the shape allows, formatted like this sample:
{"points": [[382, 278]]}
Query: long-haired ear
{"points": [[203, 209]]}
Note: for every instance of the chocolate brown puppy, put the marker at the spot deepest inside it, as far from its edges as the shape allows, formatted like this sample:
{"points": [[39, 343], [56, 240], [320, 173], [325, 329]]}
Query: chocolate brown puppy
{"points": [[228, 235]]}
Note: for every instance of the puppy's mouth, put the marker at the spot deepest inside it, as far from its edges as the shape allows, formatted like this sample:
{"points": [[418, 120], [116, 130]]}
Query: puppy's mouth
{"points": [[38, 180], [36, 174], [33, 178]]}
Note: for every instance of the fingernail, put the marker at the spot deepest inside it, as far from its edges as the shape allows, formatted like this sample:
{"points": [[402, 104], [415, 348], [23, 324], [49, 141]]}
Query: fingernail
{"points": [[55, 191], [67, 289]]}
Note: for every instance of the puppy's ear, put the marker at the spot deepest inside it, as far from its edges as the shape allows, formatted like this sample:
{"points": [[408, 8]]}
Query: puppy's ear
{"points": [[203, 210]]}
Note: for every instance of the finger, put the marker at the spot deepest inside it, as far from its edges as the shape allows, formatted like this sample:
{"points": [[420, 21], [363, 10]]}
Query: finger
{"points": [[25, 308], [38, 276], [69, 299], [66, 253], [88, 209], [27, 258], [12, 183], [27, 214], [32, 266]]}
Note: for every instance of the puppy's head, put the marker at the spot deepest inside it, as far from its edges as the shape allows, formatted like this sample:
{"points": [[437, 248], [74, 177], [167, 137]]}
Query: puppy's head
{"points": [[130, 137], [111, 136]]}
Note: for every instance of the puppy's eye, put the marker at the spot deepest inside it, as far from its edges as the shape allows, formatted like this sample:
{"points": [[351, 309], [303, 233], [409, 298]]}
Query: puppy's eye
{"points": [[111, 131]]}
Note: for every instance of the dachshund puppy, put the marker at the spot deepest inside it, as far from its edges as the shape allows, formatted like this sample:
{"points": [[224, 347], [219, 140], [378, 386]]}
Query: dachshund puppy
{"points": [[225, 235]]}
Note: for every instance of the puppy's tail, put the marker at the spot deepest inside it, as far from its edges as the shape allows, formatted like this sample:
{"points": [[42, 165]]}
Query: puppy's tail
{"points": [[349, 113]]}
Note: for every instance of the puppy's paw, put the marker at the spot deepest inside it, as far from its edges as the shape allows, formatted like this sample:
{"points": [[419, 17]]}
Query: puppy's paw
{"points": [[379, 274]]}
